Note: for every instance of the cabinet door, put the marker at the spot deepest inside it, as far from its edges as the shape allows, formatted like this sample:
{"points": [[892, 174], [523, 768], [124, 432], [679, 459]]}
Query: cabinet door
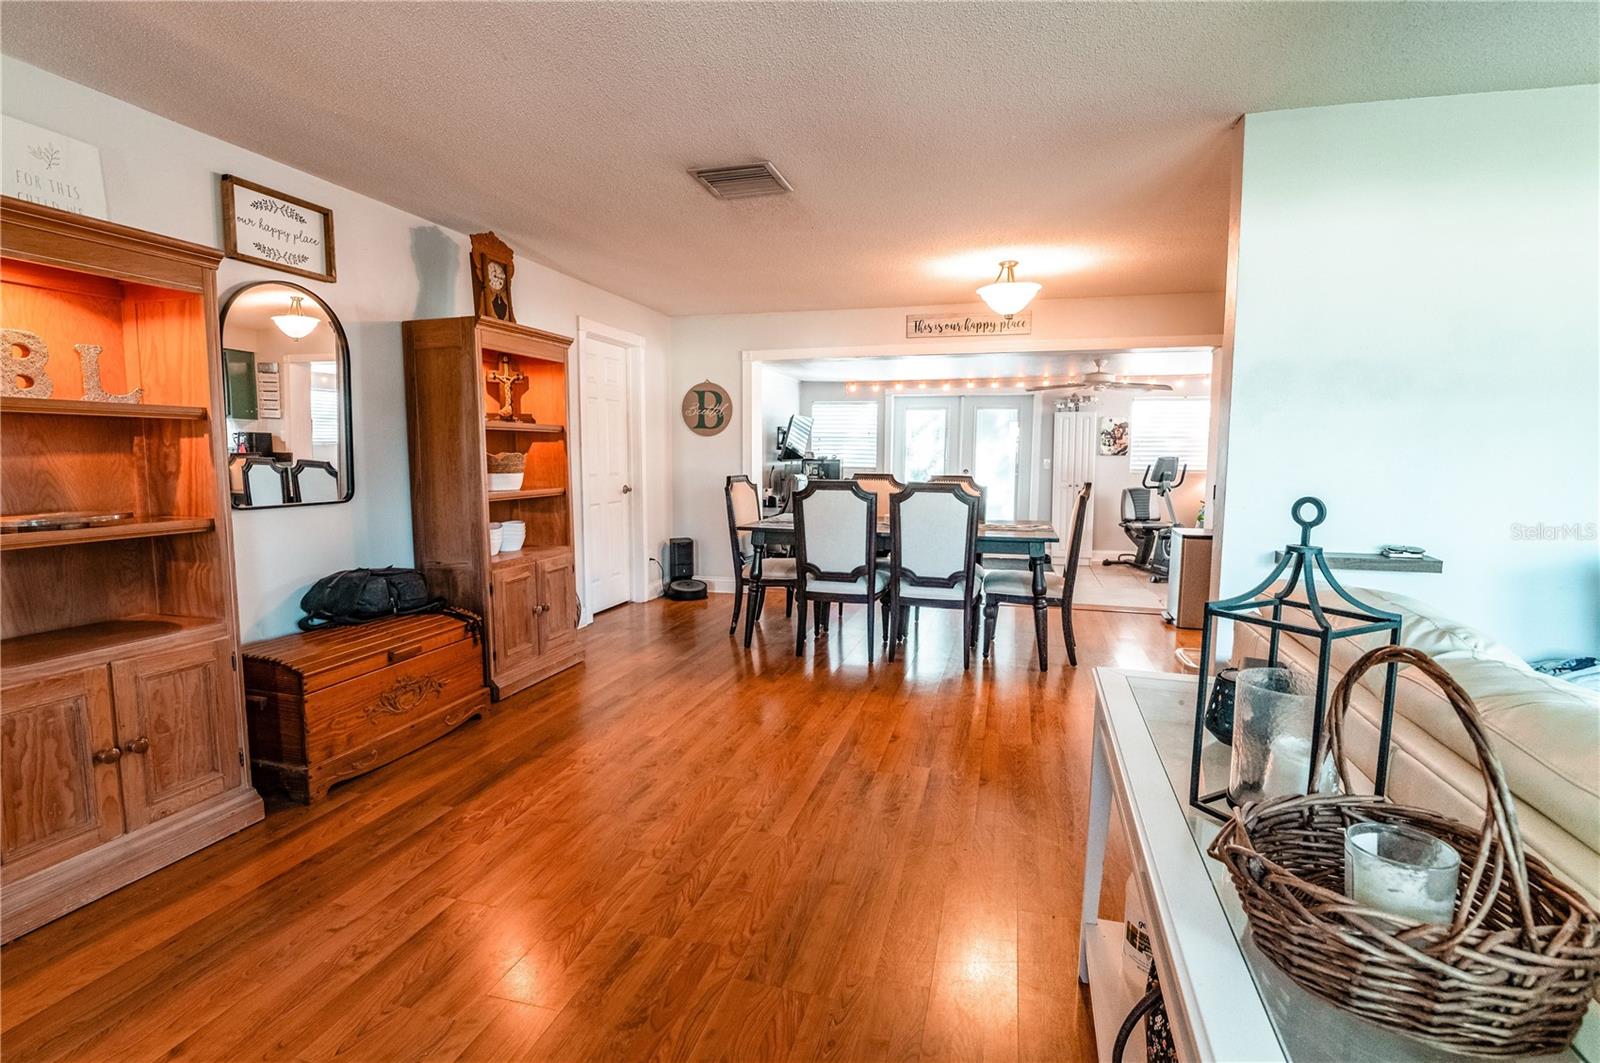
{"points": [[558, 605], [178, 726], [58, 771], [514, 638]]}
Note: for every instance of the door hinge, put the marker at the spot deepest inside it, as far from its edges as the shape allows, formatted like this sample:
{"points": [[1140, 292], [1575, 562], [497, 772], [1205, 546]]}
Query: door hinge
{"points": [[234, 659], [241, 758]]}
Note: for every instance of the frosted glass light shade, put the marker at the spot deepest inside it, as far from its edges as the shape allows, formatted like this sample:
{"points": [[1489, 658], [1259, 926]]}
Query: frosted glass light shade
{"points": [[296, 324], [1008, 297]]}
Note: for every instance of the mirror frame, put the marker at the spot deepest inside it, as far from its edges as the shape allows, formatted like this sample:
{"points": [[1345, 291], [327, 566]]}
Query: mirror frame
{"points": [[344, 357]]}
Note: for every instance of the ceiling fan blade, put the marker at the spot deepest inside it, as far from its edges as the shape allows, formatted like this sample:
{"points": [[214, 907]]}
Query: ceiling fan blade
{"points": [[1129, 385], [1057, 387]]}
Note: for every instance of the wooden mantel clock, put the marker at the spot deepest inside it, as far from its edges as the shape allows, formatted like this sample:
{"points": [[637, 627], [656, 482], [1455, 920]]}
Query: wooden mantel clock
{"points": [[491, 277]]}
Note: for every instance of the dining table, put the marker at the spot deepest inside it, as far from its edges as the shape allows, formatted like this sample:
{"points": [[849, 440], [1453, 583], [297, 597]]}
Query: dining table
{"points": [[1029, 539]]}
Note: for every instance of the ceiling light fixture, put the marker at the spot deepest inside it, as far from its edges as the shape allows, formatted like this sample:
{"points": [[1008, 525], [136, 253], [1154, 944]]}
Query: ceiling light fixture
{"points": [[296, 324], [1007, 296]]}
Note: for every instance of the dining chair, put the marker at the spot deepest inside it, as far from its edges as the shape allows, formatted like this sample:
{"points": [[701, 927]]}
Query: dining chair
{"points": [[836, 557], [1012, 587], [882, 484], [744, 507], [973, 487], [933, 530]]}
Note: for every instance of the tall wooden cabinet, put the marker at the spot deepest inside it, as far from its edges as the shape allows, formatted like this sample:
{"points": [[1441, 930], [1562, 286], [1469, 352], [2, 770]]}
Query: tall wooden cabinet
{"points": [[528, 597], [121, 731]]}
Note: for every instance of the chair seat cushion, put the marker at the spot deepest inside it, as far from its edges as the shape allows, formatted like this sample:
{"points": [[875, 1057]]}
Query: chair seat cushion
{"points": [[773, 569], [938, 594], [856, 586], [1021, 583]]}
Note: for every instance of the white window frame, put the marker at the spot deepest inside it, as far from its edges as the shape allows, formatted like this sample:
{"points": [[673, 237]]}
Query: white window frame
{"points": [[1190, 451]]}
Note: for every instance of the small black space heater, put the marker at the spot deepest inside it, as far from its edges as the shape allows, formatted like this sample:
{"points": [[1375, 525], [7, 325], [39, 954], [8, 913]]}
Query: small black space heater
{"points": [[681, 584]]}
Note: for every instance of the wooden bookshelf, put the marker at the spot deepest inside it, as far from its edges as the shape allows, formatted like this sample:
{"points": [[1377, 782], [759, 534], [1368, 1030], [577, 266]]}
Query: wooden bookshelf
{"points": [[119, 641], [528, 597]]}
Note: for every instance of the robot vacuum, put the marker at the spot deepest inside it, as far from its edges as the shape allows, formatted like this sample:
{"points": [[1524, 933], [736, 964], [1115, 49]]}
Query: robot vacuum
{"points": [[686, 590]]}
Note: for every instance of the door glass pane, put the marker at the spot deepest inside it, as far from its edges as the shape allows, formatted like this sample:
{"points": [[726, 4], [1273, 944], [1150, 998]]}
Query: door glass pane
{"points": [[998, 432], [923, 446]]}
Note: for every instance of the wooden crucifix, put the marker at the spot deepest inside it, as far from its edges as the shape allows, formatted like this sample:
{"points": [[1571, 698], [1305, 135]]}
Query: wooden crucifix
{"points": [[507, 379]]}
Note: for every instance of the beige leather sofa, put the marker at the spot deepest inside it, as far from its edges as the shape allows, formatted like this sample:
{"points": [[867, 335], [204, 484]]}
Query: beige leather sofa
{"points": [[1546, 732]]}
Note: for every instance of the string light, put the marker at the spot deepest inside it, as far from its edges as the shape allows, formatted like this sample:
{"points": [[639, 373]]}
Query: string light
{"points": [[1069, 379]]}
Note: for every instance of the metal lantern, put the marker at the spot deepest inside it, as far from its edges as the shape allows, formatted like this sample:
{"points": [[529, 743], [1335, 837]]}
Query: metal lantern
{"points": [[1264, 607]]}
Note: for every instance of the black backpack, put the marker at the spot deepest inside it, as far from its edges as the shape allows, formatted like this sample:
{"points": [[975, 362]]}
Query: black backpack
{"points": [[360, 595]]}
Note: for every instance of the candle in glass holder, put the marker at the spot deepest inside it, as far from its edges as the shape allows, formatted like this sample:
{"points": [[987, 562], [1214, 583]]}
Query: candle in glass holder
{"points": [[1405, 872], [1271, 754]]}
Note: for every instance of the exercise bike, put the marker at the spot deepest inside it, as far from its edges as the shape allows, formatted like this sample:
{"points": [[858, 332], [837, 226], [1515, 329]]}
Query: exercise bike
{"points": [[1150, 533]]}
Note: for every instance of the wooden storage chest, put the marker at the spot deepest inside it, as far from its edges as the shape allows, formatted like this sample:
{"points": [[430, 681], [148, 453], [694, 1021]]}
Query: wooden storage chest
{"points": [[328, 705]]}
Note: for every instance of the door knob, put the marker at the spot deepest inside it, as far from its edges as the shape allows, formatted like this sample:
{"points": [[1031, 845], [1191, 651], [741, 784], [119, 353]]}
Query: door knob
{"points": [[627, 489], [138, 745], [107, 756]]}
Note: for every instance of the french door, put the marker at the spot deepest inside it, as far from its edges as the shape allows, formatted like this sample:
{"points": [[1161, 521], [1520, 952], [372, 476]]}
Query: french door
{"points": [[987, 437]]}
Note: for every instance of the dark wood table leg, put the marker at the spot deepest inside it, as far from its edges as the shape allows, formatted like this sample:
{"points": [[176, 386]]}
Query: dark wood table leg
{"points": [[1041, 614], [758, 548]]}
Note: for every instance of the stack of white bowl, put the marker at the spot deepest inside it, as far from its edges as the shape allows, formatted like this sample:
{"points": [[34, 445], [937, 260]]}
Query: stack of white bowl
{"points": [[513, 533], [496, 536]]}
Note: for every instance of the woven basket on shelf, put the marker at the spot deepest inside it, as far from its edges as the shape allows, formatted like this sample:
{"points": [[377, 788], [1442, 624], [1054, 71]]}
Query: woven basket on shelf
{"points": [[1512, 975], [509, 461]]}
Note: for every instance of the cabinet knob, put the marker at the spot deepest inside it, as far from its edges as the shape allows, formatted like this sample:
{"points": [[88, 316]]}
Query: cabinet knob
{"points": [[138, 745], [107, 756]]}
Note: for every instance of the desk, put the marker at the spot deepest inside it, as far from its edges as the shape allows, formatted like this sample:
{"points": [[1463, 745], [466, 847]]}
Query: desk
{"points": [[1014, 538]]}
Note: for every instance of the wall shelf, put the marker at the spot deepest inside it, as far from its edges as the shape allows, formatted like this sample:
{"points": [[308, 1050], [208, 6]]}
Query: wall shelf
{"points": [[552, 430], [85, 408], [108, 639], [133, 529], [532, 492], [1379, 563]]}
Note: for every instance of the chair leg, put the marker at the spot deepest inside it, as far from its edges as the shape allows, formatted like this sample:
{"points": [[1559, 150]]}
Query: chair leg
{"points": [[800, 626], [991, 616], [872, 641], [738, 600], [750, 611], [1067, 635], [788, 602], [966, 638], [1041, 634], [891, 623], [761, 602]]}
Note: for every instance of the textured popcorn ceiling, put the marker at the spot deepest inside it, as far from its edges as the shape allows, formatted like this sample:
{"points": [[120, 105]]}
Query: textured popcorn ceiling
{"points": [[921, 139]]}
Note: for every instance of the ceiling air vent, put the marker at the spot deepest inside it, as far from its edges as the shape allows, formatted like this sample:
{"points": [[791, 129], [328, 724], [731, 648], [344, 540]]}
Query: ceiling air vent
{"points": [[742, 182]]}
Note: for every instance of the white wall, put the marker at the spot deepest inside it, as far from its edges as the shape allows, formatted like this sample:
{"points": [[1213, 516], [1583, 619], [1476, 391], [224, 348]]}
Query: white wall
{"points": [[391, 266], [779, 396], [710, 348], [1416, 343]]}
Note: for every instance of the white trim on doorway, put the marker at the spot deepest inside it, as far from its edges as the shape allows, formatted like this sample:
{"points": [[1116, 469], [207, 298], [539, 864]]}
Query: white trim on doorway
{"points": [[638, 461]]}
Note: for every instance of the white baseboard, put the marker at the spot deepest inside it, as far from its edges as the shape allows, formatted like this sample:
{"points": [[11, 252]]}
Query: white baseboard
{"points": [[718, 584]]}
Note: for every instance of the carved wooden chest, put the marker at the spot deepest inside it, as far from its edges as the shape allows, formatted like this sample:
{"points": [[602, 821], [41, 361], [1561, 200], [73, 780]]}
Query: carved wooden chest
{"points": [[328, 705]]}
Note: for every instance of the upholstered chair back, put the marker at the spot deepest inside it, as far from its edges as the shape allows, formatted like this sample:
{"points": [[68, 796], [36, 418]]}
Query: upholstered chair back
{"points": [[973, 488], [744, 507], [835, 529], [934, 527], [1080, 510], [267, 483], [882, 484]]}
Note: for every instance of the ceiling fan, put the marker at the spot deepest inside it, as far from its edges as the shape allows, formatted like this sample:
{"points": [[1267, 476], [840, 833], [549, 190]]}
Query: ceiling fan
{"points": [[1100, 380]]}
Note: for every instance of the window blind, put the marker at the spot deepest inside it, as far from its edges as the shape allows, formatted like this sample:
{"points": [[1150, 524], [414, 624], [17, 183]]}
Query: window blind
{"points": [[848, 429], [324, 404], [1161, 428]]}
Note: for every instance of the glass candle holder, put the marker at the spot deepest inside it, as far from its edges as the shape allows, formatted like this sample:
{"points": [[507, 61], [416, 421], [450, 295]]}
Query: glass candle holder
{"points": [[1400, 870], [1272, 716]]}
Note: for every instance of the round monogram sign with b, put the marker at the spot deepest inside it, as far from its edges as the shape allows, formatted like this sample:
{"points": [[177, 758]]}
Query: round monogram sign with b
{"points": [[707, 409]]}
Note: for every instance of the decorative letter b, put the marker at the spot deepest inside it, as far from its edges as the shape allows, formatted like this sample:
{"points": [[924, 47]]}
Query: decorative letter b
{"points": [[30, 366]]}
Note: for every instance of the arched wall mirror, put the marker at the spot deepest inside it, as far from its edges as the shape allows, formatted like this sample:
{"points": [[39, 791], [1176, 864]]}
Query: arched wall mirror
{"points": [[286, 371]]}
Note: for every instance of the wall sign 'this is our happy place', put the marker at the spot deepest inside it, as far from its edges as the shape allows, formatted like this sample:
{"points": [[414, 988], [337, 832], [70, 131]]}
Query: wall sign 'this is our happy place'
{"points": [[932, 326], [707, 408], [275, 229]]}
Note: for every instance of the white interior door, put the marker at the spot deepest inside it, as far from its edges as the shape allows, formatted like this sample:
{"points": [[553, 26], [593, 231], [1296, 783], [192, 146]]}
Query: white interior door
{"points": [[926, 439], [997, 449], [1072, 467], [606, 509]]}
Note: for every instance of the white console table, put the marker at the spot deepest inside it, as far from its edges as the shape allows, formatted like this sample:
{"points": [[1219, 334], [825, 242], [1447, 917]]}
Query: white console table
{"points": [[1225, 1001]]}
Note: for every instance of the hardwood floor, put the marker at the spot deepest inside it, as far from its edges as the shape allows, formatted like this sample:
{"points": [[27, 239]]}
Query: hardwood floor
{"points": [[677, 851]]}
